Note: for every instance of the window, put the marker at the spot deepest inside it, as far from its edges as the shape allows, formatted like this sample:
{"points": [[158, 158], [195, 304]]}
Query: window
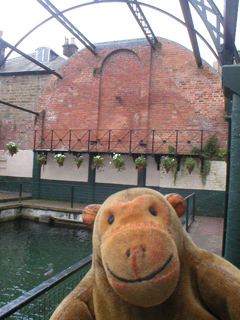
{"points": [[43, 54]]}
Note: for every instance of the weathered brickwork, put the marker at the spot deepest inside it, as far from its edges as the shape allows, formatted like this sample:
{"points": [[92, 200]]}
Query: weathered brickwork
{"points": [[21, 91], [126, 86], [19, 131]]}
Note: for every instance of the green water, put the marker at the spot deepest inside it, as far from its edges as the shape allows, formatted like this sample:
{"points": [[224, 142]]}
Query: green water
{"points": [[28, 250]]}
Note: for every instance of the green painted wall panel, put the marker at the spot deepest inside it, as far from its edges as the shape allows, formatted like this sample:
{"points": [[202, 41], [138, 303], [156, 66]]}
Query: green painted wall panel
{"points": [[208, 203], [232, 243]]}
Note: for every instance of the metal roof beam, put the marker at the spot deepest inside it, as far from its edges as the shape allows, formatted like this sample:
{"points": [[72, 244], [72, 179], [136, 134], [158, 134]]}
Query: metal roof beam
{"points": [[214, 26], [68, 25], [30, 58], [230, 23], [19, 108], [190, 27], [142, 21]]}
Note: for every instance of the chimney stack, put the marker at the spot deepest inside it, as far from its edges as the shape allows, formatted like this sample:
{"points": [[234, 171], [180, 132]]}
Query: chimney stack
{"points": [[2, 51], [69, 48]]}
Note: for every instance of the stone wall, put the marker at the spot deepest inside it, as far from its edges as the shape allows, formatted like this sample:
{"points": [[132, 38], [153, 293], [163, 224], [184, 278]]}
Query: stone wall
{"points": [[15, 124]]}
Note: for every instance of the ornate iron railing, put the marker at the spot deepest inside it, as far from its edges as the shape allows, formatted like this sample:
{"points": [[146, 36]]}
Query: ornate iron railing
{"points": [[122, 141]]}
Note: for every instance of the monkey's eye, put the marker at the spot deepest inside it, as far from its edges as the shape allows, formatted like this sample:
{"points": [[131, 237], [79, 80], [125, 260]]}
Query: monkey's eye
{"points": [[111, 219], [153, 212]]}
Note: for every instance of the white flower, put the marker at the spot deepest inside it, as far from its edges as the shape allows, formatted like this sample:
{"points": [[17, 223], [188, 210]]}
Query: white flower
{"points": [[59, 156]]}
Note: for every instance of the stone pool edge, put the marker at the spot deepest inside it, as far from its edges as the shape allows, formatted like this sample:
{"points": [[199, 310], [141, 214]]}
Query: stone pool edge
{"points": [[43, 214]]}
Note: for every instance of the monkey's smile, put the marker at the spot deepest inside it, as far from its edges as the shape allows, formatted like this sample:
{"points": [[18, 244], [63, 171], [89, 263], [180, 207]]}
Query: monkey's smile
{"points": [[149, 277]]}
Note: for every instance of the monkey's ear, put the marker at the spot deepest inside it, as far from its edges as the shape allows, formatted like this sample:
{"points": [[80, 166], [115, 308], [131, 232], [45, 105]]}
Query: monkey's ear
{"points": [[177, 202], [89, 214]]}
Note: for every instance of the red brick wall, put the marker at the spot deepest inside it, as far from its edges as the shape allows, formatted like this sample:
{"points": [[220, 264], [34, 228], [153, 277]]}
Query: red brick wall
{"points": [[159, 89]]}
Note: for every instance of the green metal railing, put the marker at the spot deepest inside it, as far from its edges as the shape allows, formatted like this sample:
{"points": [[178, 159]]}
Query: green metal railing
{"points": [[125, 141], [40, 302], [190, 212], [73, 195]]}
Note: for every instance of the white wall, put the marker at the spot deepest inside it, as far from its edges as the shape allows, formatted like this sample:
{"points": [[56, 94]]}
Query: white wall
{"points": [[69, 170], [18, 165], [110, 174], [153, 175], [216, 180], [21, 165]]}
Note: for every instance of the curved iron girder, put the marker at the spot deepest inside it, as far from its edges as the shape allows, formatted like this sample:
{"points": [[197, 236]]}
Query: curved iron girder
{"points": [[67, 24], [214, 30], [108, 1]]}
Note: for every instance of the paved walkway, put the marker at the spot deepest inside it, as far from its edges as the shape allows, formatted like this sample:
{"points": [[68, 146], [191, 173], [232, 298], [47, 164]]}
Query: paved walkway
{"points": [[206, 232], [6, 196]]}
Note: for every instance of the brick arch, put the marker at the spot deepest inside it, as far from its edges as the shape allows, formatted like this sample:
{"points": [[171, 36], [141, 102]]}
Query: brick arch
{"points": [[120, 90]]}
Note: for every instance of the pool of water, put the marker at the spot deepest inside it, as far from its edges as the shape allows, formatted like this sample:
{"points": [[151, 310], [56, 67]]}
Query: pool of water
{"points": [[31, 253]]}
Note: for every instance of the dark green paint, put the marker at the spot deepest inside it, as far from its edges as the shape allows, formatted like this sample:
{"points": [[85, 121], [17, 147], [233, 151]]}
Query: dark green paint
{"points": [[36, 177], [208, 203], [232, 244], [142, 178]]}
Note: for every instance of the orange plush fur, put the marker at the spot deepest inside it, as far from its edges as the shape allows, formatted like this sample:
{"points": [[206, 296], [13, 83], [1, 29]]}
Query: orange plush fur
{"points": [[145, 266]]}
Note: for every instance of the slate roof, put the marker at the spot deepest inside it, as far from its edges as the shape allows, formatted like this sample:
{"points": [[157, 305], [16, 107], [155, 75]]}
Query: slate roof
{"points": [[21, 64]]}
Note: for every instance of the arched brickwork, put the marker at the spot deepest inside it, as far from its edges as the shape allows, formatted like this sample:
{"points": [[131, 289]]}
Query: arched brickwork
{"points": [[159, 89], [120, 91]]}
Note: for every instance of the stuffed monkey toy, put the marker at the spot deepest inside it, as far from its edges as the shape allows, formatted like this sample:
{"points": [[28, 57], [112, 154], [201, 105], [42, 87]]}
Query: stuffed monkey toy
{"points": [[145, 266]]}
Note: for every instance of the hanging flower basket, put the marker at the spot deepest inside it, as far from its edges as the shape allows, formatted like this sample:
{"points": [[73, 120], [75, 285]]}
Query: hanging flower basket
{"points": [[223, 154], [12, 148], [189, 164], [78, 160], [168, 163], [98, 163], [42, 159], [118, 162], [141, 163], [60, 159]]}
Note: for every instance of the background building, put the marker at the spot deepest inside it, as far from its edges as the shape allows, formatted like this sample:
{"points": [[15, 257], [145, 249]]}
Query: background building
{"points": [[128, 99]]}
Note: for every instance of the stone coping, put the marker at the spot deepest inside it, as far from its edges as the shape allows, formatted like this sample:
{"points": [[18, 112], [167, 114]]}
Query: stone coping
{"points": [[40, 207]]}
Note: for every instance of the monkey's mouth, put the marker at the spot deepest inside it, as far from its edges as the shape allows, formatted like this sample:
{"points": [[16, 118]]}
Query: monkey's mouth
{"points": [[149, 277]]}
